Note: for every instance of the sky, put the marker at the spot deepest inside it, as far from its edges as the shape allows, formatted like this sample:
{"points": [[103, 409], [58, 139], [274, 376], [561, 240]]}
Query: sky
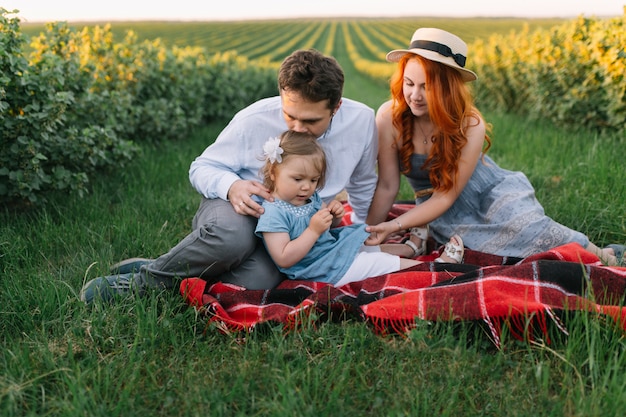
{"points": [[115, 10]]}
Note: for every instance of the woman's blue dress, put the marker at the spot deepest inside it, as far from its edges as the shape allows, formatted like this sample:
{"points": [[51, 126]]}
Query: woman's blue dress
{"points": [[497, 213]]}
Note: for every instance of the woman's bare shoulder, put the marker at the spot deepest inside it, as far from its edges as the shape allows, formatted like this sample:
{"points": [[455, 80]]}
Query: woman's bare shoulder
{"points": [[384, 108], [383, 115], [475, 130]]}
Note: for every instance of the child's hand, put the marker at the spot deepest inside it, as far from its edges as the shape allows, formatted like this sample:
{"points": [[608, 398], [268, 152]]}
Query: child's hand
{"points": [[321, 221], [336, 209]]}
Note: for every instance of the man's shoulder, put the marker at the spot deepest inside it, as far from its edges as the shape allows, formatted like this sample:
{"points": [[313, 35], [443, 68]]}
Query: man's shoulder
{"points": [[351, 103], [354, 114], [263, 105]]}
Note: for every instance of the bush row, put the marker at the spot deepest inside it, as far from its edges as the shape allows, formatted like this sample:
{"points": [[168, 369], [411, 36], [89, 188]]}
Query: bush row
{"points": [[80, 103], [573, 74]]}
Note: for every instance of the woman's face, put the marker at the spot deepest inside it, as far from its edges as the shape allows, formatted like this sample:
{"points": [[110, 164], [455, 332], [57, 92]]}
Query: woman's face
{"points": [[414, 88]]}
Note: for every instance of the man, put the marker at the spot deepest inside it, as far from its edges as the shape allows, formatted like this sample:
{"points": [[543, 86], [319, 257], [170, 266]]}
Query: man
{"points": [[222, 245]]}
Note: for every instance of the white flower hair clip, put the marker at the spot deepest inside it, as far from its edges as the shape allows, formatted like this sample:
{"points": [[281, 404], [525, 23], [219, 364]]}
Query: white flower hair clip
{"points": [[272, 150]]}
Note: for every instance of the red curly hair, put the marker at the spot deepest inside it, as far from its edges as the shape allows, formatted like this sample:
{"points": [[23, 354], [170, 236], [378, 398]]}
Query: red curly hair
{"points": [[450, 105]]}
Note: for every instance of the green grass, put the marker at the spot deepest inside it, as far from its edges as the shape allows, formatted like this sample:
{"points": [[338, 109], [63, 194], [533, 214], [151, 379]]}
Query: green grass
{"points": [[156, 357]]}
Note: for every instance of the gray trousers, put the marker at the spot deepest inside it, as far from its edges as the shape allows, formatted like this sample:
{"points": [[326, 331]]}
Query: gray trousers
{"points": [[221, 247]]}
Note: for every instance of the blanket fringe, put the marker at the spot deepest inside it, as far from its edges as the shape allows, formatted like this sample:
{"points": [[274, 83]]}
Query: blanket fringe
{"points": [[521, 327], [384, 326]]}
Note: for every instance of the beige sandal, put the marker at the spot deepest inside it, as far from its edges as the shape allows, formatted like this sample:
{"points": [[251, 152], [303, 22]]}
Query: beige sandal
{"points": [[453, 251], [420, 233]]}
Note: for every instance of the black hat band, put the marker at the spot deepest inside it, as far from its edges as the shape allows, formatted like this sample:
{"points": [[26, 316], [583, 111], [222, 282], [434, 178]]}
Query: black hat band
{"points": [[439, 48]]}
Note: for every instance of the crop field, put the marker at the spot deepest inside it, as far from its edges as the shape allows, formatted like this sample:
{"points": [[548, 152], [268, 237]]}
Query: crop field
{"points": [[273, 40], [359, 44]]}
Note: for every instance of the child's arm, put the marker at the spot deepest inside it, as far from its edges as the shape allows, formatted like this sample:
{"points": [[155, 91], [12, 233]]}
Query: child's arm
{"points": [[286, 252]]}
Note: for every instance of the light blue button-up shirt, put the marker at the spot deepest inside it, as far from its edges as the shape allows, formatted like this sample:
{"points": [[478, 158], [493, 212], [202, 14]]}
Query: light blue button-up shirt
{"points": [[351, 146]]}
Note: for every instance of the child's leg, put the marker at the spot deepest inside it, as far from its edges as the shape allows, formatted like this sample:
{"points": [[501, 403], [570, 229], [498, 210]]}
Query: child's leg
{"points": [[371, 262], [453, 251], [407, 263], [398, 249]]}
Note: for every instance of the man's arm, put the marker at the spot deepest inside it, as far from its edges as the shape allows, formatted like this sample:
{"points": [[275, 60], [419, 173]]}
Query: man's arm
{"points": [[362, 183]]}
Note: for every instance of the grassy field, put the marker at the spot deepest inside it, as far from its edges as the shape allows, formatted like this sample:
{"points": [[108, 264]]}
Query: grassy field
{"points": [[156, 357]]}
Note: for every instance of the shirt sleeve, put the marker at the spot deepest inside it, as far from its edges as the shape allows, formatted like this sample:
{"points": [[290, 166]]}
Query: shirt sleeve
{"points": [[214, 171], [237, 152], [272, 220], [363, 181]]}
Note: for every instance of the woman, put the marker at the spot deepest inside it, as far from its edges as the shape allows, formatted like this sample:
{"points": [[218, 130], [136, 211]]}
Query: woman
{"points": [[431, 132]]}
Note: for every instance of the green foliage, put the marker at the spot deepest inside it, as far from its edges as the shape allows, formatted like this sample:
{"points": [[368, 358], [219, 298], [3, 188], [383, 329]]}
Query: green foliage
{"points": [[572, 74], [80, 103], [83, 96], [32, 116], [569, 71]]}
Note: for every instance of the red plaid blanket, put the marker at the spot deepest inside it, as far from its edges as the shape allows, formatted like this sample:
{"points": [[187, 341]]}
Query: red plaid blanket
{"points": [[522, 294]]}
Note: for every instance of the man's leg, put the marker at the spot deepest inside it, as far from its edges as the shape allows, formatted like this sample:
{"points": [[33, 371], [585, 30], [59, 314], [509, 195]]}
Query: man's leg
{"points": [[220, 241], [222, 246], [257, 272]]}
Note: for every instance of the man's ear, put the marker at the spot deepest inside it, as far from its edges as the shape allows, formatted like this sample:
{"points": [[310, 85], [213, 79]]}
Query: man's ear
{"points": [[336, 109]]}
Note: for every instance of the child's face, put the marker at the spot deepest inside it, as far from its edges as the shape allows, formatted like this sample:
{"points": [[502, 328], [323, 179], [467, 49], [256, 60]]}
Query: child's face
{"points": [[295, 179]]}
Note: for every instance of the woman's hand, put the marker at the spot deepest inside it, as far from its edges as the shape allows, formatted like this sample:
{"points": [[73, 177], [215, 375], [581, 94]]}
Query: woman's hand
{"points": [[379, 232]]}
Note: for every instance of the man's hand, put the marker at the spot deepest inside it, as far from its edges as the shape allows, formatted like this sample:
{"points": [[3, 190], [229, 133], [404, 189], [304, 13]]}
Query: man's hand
{"points": [[240, 196]]}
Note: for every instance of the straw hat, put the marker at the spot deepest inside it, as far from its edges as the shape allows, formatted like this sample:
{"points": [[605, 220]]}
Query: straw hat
{"points": [[437, 45]]}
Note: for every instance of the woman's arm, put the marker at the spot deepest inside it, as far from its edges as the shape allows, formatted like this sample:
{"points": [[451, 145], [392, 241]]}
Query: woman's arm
{"points": [[388, 167], [440, 201]]}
